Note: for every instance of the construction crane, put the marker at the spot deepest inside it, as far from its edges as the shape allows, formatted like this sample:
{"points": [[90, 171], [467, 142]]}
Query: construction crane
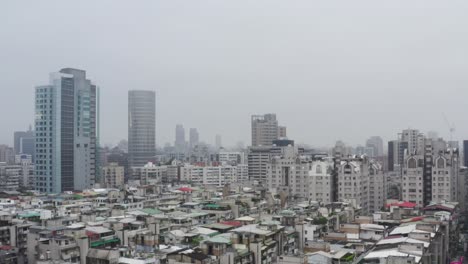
{"points": [[451, 127]]}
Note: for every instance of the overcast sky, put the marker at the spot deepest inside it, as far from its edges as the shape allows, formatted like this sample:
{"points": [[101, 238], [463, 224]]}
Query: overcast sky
{"points": [[329, 69]]}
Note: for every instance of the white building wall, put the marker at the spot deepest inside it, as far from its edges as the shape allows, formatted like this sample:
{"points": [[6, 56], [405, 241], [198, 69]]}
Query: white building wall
{"points": [[353, 182], [412, 188], [320, 181]]}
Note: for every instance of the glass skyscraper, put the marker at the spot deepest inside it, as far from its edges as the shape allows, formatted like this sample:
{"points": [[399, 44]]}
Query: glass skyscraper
{"points": [[66, 132], [141, 127]]}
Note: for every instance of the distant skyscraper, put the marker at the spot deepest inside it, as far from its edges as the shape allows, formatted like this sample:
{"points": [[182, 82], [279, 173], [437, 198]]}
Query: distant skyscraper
{"points": [[376, 143], [66, 132], [180, 138], [265, 129], [194, 137], [24, 142], [7, 154], [218, 142], [141, 127]]}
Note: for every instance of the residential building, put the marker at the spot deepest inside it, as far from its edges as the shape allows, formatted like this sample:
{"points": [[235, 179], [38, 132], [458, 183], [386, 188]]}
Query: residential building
{"points": [[353, 182], [7, 154], [258, 159], [445, 177], [412, 182], [299, 177], [141, 127], [112, 176], [10, 176], [66, 132], [214, 175], [149, 174], [321, 182], [376, 187], [26, 179]]}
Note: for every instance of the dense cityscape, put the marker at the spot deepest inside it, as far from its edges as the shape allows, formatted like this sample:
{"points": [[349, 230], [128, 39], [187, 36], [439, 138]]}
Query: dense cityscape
{"points": [[233, 132], [66, 199]]}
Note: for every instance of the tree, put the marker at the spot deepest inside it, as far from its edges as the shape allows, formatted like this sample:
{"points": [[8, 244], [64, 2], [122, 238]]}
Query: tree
{"points": [[320, 221]]}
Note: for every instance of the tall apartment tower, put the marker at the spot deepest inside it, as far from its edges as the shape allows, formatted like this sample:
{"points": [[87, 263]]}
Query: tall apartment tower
{"points": [[264, 129], [66, 132], [301, 178], [141, 127], [193, 137], [353, 182], [180, 138]]}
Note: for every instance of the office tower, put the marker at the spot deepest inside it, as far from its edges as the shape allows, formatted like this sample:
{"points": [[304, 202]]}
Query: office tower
{"points": [[376, 143], [141, 127], [218, 142], [264, 129], [24, 142], [179, 138], [465, 153], [66, 132], [193, 137], [7, 154], [112, 175]]}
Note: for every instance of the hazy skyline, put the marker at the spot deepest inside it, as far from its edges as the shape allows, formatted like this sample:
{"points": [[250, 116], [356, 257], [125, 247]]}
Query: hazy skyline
{"points": [[330, 70]]}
